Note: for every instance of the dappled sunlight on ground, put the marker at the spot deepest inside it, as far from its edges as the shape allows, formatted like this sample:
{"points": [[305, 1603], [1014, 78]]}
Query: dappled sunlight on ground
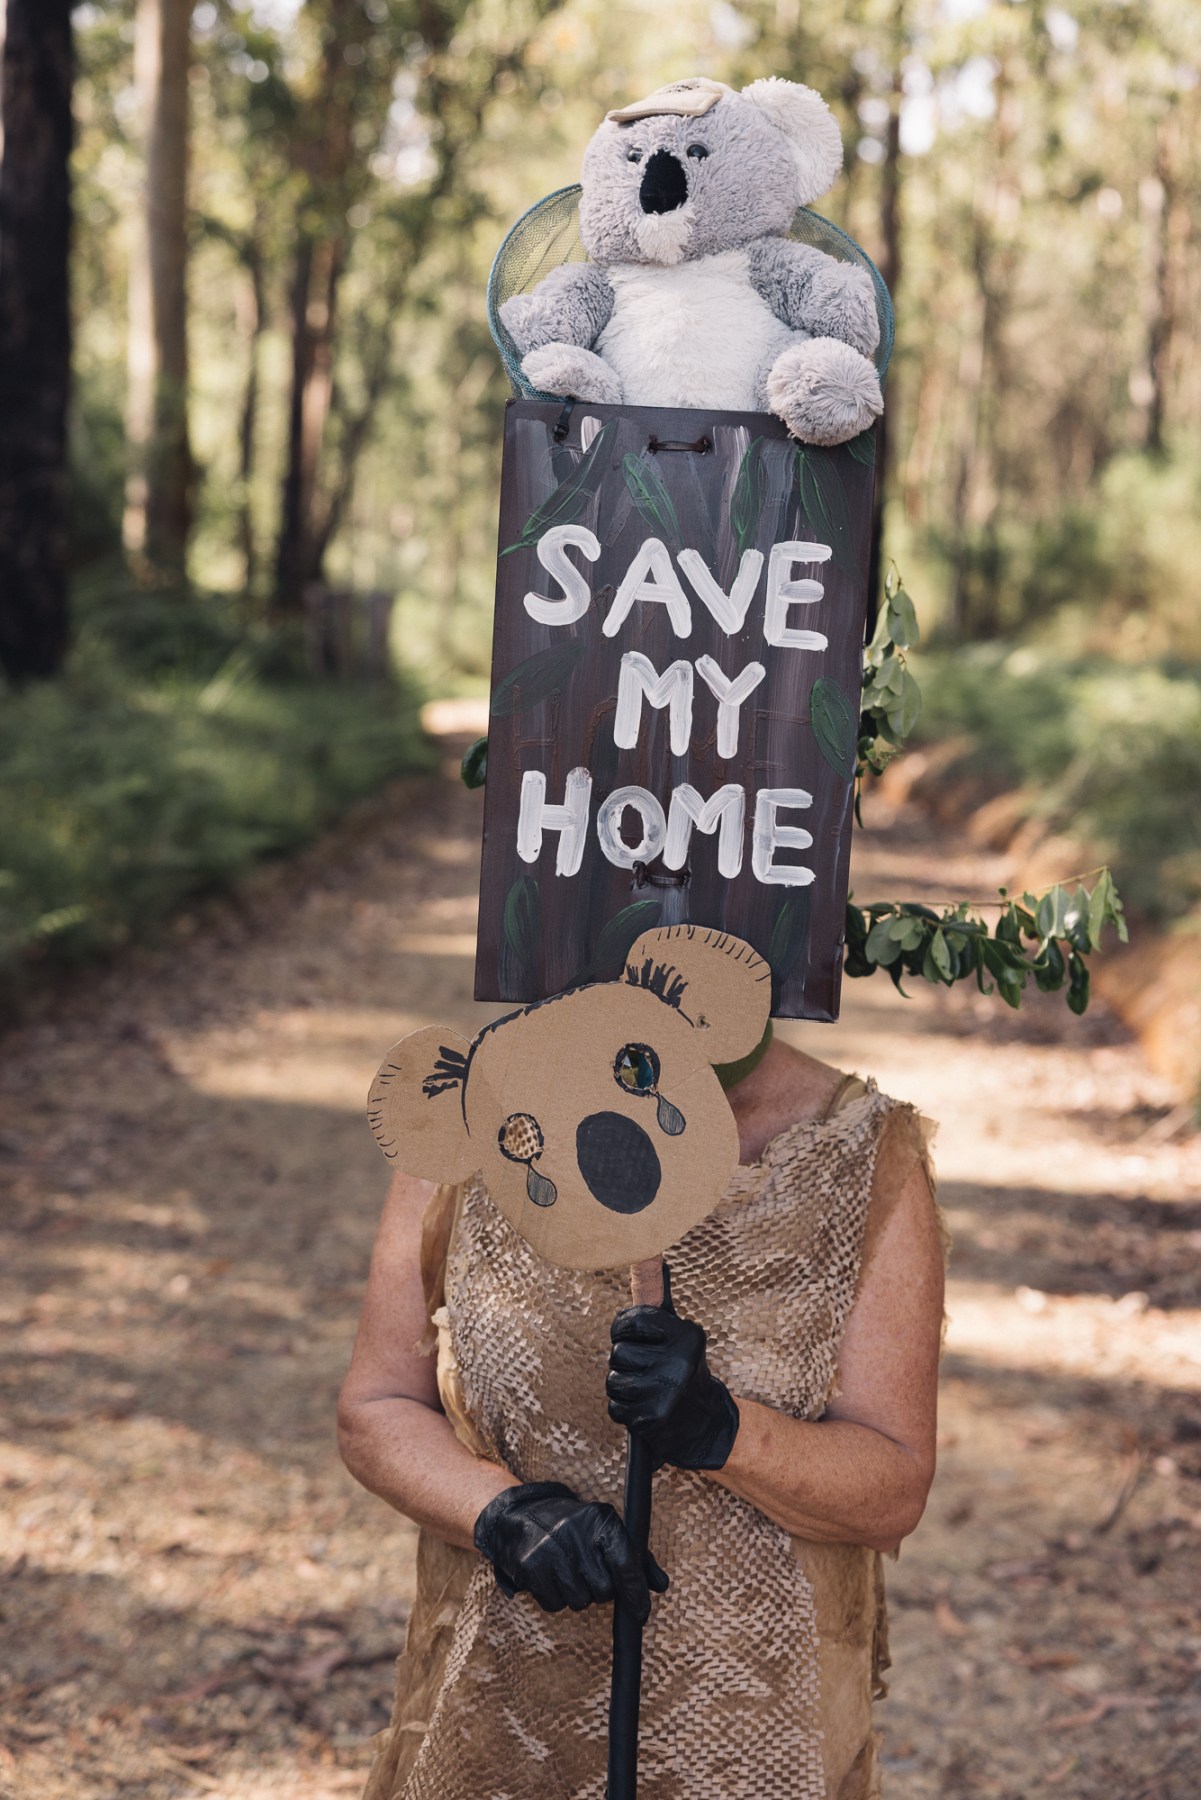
{"points": [[200, 1600]]}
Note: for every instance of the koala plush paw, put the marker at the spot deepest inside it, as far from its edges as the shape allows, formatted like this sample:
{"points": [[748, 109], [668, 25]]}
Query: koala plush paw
{"points": [[824, 391], [569, 370]]}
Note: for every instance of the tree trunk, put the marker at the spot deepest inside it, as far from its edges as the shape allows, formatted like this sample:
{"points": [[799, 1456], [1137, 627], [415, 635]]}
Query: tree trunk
{"points": [[1162, 203], [318, 272], [890, 269], [158, 496], [255, 304], [35, 333]]}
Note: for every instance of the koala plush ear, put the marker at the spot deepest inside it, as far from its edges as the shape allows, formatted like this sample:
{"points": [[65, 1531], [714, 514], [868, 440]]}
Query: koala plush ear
{"points": [[415, 1107], [810, 127], [722, 985]]}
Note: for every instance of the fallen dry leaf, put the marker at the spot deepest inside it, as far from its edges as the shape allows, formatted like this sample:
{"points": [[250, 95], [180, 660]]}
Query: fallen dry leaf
{"points": [[948, 1621], [1102, 1706]]}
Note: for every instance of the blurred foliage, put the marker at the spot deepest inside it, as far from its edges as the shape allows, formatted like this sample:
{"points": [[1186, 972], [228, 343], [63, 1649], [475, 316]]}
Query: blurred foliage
{"points": [[891, 704], [1029, 176], [1107, 752], [1046, 390], [177, 750]]}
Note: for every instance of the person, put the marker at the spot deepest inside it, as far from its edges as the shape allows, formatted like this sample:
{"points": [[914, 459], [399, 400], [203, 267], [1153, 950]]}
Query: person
{"points": [[787, 1390]]}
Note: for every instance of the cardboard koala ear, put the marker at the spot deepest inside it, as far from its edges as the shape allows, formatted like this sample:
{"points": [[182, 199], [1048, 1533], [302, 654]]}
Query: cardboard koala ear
{"points": [[718, 982], [415, 1106], [810, 127]]}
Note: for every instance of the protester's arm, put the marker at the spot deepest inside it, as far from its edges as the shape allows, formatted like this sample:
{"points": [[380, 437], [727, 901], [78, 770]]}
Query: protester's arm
{"points": [[861, 1474], [541, 1539], [392, 1433]]}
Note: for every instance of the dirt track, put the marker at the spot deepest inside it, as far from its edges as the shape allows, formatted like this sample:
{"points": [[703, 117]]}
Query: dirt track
{"points": [[199, 1600]]}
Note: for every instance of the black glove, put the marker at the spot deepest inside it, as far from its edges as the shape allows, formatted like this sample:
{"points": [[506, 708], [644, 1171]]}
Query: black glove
{"points": [[660, 1387], [542, 1541]]}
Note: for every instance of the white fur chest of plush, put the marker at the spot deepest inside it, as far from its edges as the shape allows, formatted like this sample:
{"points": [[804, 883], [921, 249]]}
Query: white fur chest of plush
{"points": [[694, 334]]}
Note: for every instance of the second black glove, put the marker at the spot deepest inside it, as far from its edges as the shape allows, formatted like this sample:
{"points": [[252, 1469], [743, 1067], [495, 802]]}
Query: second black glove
{"points": [[661, 1388], [542, 1540]]}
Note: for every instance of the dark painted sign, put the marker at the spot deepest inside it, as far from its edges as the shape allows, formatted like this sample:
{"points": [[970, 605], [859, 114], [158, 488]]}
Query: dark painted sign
{"points": [[676, 663]]}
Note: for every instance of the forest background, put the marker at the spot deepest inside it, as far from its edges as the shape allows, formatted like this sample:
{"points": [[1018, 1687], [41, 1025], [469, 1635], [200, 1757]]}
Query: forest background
{"points": [[250, 410]]}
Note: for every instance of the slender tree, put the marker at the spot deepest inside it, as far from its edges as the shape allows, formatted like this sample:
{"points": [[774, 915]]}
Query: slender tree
{"points": [[158, 498], [35, 334], [890, 269]]}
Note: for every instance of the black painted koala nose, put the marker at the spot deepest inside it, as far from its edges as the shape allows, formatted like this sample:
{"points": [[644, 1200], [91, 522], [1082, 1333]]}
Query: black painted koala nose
{"points": [[618, 1162], [664, 183]]}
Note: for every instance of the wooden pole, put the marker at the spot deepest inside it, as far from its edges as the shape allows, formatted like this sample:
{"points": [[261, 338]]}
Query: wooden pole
{"points": [[646, 1289]]}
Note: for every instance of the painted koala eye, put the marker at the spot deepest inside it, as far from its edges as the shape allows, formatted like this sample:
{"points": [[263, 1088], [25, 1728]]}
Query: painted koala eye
{"points": [[633, 156], [636, 1069], [520, 1138], [697, 152]]}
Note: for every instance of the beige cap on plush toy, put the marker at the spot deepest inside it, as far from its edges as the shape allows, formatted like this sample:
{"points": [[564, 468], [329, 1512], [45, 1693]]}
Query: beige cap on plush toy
{"points": [[688, 99]]}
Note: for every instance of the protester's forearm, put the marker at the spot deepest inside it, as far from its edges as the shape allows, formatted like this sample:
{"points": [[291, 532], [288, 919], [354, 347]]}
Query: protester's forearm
{"points": [[832, 1481], [408, 1454]]}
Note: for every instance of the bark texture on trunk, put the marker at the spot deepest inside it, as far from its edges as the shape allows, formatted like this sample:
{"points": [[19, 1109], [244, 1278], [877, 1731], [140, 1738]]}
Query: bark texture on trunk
{"points": [[253, 307], [303, 536], [158, 499], [35, 334], [1162, 201], [890, 269]]}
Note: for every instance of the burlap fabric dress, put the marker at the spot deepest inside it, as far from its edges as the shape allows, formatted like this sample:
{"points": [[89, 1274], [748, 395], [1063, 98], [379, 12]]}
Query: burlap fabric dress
{"points": [[762, 1660]]}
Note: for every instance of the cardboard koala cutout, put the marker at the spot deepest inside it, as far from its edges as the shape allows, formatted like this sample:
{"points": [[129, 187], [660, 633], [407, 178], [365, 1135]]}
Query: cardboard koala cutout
{"points": [[694, 295], [595, 1118]]}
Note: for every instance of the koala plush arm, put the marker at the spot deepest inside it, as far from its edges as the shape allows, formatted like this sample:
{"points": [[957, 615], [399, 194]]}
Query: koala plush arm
{"points": [[813, 292], [571, 306]]}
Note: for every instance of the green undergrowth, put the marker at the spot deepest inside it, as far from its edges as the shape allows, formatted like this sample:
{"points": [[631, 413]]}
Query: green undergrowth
{"points": [[1105, 752], [181, 746]]}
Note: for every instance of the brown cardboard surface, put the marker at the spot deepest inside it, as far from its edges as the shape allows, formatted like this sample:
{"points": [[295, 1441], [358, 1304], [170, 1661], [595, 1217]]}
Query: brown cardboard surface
{"points": [[593, 1170]]}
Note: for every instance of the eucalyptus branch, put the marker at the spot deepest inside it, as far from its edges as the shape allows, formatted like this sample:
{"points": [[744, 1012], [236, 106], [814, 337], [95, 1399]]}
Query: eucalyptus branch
{"points": [[891, 702], [1046, 935]]}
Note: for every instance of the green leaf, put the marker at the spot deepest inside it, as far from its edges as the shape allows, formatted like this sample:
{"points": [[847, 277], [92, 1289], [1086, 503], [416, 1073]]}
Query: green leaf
{"points": [[1076, 919], [1048, 916], [473, 770], [902, 620], [835, 725], [535, 679], [616, 938], [824, 501], [940, 955], [1050, 971], [746, 502], [1105, 908], [789, 935], [520, 939], [571, 498], [881, 947], [911, 704], [909, 933], [649, 495], [855, 962], [863, 447]]}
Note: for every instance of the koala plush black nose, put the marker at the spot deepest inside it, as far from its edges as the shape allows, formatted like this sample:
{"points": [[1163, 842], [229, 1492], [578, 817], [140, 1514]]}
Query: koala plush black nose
{"points": [[664, 183], [618, 1162]]}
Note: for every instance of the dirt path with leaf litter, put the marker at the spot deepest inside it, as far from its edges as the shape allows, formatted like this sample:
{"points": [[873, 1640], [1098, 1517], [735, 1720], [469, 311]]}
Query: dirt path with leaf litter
{"points": [[198, 1600]]}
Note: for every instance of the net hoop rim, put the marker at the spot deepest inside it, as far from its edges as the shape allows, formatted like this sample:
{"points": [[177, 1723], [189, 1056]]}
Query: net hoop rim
{"points": [[504, 343]]}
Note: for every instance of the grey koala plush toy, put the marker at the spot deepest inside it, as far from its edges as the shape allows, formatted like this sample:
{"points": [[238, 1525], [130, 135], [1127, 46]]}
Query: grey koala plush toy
{"points": [[695, 296]]}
